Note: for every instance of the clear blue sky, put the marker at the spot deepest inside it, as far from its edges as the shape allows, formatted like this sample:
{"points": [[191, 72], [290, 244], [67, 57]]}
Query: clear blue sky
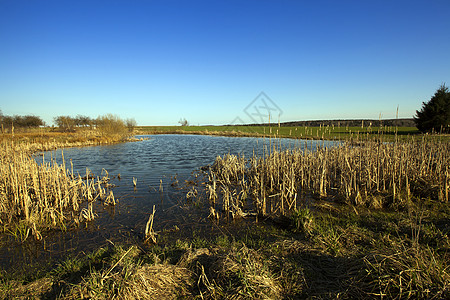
{"points": [[206, 61]]}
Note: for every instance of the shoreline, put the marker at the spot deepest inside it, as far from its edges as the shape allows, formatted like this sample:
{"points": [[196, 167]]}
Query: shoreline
{"points": [[306, 133]]}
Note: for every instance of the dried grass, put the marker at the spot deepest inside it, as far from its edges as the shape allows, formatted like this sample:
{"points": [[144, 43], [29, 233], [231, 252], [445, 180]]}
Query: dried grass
{"points": [[372, 174], [46, 195], [127, 278], [237, 273], [407, 273]]}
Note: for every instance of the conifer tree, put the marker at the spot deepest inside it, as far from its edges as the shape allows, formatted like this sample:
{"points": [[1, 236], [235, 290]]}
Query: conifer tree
{"points": [[434, 116]]}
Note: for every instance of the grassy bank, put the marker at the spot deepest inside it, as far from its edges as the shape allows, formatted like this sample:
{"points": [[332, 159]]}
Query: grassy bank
{"points": [[274, 131], [333, 252], [43, 139]]}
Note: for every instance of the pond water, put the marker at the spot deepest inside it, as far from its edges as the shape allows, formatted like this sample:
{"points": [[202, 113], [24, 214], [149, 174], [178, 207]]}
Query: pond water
{"points": [[165, 161]]}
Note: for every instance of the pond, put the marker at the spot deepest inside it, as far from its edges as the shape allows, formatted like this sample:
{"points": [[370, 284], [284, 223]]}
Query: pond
{"points": [[161, 164]]}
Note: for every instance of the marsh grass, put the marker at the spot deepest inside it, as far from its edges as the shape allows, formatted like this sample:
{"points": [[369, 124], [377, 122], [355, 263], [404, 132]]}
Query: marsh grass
{"points": [[371, 174], [37, 197], [150, 234], [373, 217]]}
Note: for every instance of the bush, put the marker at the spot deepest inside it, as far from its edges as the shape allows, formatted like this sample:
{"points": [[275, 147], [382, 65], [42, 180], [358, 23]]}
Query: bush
{"points": [[112, 127]]}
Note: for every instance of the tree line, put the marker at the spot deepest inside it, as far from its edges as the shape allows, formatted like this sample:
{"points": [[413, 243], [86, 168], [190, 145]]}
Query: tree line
{"points": [[107, 122], [68, 123], [352, 123], [433, 116], [27, 121]]}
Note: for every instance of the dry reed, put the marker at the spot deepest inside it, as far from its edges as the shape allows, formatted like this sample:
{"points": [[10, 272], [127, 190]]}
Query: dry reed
{"points": [[370, 173], [47, 195], [150, 234]]}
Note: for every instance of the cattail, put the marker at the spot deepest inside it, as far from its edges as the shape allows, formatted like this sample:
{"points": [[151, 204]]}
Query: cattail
{"points": [[364, 175], [41, 194]]}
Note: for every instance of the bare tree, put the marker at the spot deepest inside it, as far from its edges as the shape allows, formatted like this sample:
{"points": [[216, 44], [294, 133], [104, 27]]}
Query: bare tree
{"points": [[65, 123], [183, 122], [131, 123], [83, 121]]}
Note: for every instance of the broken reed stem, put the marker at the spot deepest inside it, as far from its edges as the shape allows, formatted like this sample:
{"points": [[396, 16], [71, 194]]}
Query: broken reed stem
{"points": [[115, 265], [150, 234]]}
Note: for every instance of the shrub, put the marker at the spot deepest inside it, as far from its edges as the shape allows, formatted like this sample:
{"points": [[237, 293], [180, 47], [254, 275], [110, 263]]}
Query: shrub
{"points": [[112, 127]]}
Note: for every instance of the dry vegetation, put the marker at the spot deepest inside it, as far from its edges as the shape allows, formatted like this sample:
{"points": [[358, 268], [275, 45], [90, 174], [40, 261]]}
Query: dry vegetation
{"points": [[377, 175], [359, 220], [118, 273], [330, 194], [105, 130], [35, 197], [339, 254]]}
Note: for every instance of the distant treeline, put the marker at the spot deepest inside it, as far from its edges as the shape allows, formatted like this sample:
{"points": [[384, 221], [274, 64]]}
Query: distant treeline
{"points": [[107, 122], [20, 121], [68, 123], [344, 123]]}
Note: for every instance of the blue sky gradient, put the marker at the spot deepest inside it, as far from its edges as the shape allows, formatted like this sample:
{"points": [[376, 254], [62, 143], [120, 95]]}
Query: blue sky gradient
{"points": [[159, 61]]}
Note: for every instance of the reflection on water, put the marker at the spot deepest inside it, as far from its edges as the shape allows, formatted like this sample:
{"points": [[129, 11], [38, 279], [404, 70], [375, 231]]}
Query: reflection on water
{"points": [[162, 159]]}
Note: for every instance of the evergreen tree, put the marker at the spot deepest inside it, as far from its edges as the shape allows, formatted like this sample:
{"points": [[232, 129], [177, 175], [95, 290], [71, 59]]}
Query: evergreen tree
{"points": [[435, 114]]}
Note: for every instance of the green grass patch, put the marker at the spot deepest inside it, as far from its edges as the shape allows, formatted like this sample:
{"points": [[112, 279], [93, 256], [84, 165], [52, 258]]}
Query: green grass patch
{"points": [[323, 132]]}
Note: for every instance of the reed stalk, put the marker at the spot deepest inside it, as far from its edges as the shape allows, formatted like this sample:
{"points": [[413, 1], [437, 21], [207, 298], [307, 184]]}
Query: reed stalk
{"points": [[373, 174], [43, 195], [150, 234]]}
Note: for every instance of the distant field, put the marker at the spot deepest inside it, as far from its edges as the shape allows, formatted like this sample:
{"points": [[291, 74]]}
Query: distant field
{"points": [[300, 132], [305, 132]]}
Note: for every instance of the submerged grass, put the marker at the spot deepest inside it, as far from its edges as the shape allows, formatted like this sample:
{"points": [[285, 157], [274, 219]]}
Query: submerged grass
{"points": [[333, 196], [37, 197]]}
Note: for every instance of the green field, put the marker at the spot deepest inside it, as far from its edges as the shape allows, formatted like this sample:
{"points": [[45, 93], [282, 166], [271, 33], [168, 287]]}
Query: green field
{"points": [[323, 132]]}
